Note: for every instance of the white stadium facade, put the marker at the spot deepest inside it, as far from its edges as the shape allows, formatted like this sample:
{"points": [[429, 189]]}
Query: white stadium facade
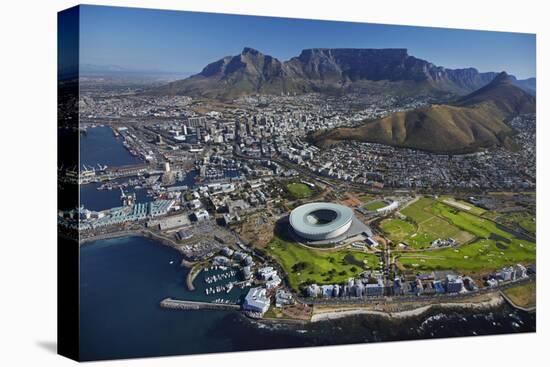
{"points": [[321, 221]]}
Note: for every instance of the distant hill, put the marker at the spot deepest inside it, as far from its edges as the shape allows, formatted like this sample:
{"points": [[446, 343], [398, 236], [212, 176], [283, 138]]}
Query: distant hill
{"points": [[388, 71], [529, 85], [115, 72], [473, 121]]}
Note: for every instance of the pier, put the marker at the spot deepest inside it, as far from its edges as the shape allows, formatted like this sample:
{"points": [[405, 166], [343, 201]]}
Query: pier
{"points": [[194, 305]]}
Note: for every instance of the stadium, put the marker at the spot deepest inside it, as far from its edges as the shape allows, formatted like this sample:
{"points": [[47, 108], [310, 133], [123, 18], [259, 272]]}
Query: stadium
{"points": [[320, 223]]}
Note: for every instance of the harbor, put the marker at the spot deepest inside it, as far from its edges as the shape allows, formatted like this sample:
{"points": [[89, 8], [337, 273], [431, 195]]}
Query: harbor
{"points": [[117, 312], [194, 305]]}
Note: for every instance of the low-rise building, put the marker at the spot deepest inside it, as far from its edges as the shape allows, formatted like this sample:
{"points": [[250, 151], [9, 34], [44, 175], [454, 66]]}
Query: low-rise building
{"points": [[267, 272], [283, 298], [201, 215], [454, 284], [375, 290], [274, 282], [326, 290], [257, 300], [313, 290]]}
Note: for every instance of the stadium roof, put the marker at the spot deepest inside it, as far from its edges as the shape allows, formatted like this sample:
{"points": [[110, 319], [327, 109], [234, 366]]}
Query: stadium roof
{"points": [[320, 218]]}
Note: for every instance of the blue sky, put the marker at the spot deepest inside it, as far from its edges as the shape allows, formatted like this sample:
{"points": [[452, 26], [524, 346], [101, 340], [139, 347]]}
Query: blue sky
{"points": [[144, 39]]}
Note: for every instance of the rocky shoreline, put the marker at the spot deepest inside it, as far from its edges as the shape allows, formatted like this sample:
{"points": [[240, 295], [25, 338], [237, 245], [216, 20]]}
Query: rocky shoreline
{"points": [[140, 233], [495, 300]]}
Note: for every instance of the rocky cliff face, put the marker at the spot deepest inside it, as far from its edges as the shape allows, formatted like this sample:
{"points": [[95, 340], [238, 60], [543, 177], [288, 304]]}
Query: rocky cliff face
{"points": [[391, 71]]}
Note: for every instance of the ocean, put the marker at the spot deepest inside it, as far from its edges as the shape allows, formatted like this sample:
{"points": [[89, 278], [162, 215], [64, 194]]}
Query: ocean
{"points": [[100, 146], [123, 280]]}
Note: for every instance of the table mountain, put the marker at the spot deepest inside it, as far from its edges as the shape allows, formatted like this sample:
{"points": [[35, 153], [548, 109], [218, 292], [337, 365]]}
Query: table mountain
{"points": [[327, 70]]}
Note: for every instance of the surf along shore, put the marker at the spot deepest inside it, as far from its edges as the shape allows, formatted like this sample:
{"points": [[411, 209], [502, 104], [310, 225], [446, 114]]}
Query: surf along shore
{"points": [[389, 309], [401, 310]]}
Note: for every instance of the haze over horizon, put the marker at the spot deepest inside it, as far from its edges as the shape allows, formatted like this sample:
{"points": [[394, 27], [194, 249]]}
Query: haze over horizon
{"points": [[185, 42]]}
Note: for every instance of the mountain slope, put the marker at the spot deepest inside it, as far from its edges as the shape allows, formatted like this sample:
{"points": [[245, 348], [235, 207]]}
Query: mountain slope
{"points": [[389, 71], [474, 121], [529, 85]]}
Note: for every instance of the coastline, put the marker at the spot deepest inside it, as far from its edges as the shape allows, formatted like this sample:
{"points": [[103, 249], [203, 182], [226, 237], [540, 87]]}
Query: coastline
{"points": [[140, 233], [488, 301], [511, 303], [495, 300]]}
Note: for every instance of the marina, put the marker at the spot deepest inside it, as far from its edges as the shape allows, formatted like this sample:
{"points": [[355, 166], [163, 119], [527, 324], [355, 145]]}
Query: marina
{"points": [[125, 279], [223, 282]]}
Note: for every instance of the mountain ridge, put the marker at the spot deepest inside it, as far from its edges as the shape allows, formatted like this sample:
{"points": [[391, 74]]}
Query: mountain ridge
{"points": [[328, 70], [477, 120]]}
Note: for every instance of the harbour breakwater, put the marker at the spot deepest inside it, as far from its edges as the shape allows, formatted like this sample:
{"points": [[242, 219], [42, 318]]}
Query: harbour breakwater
{"points": [[195, 305], [491, 300]]}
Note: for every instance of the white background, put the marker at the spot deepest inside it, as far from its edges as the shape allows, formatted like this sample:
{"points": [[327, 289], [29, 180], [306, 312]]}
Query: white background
{"points": [[28, 181]]}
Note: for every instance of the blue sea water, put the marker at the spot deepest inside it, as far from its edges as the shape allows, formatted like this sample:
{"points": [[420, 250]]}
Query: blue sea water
{"points": [[123, 280], [100, 146], [94, 199]]}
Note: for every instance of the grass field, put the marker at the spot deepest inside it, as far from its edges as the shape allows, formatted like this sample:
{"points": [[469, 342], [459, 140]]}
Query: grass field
{"points": [[375, 205], [529, 225], [304, 265], [524, 220], [478, 257], [420, 210], [426, 226], [422, 235], [480, 227], [524, 295], [299, 190], [470, 208], [366, 198], [494, 247], [398, 230]]}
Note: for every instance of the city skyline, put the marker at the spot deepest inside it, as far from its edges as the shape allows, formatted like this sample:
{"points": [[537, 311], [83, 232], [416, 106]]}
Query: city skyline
{"points": [[185, 42]]}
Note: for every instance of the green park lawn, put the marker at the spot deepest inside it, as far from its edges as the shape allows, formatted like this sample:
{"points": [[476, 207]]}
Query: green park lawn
{"points": [[375, 205], [424, 226], [468, 207], [304, 265], [523, 295], [420, 210], [480, 256], [398, 230], [491, 246], [478, 226], [299, 190], [524, 220], [366, 198]]}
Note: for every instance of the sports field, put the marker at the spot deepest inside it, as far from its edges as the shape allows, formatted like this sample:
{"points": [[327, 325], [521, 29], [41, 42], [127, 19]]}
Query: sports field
{"points": [[460, 204], [478, 226], [304, 265], [373, 205], [299, 190], [366, 198], [478, 257], [494, 247], [423, 226]]}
